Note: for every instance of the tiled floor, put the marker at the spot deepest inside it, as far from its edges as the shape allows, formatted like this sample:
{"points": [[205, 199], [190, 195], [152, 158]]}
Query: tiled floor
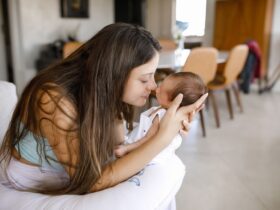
{"points": [[236, 167]]}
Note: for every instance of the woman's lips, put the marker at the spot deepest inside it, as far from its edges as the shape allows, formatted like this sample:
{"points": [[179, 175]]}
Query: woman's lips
{"points": [[146, 96]]}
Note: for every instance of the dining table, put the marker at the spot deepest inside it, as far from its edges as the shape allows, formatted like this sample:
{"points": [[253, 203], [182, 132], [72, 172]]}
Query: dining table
{"points": [[175, 59]]}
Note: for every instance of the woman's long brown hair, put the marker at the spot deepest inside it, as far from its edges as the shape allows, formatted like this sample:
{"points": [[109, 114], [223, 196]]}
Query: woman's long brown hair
{"points": [[92, 79]]}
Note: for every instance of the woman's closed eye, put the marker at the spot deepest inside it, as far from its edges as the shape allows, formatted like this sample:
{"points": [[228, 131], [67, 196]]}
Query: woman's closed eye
{"points": [[144, 81]]}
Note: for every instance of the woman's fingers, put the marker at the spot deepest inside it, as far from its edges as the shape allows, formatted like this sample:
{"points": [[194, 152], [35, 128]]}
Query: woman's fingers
{"points": [[191, 116], [183, 132], [200, 108], [186, 125], [176, 103], [196, 105]]}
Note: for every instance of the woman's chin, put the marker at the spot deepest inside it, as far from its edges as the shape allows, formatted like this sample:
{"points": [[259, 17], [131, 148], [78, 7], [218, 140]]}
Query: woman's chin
{"points": [[140, 103]]}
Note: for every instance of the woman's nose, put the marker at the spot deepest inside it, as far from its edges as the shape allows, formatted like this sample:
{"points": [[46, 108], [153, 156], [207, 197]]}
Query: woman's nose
{"points": [[153, 85]]}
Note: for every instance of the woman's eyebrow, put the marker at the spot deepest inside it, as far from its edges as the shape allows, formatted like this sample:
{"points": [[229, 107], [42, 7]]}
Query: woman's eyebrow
{"points": [[148, 74]]}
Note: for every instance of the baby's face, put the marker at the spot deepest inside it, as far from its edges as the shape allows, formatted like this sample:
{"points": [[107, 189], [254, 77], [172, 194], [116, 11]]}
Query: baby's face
{"points": [[162, 92]]}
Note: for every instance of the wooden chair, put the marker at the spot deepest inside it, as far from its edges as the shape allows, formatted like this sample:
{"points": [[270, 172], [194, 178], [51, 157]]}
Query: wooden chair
{"points": [[167, 44], [70, 47], [203, 62], [228, 79]]}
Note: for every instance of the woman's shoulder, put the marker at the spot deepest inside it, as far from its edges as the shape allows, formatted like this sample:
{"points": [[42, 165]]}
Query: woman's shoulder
{"points": [[55, 104]]}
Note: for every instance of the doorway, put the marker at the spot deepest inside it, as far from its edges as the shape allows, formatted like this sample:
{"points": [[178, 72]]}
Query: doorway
{"points": [[6, 65], [130, 11]]}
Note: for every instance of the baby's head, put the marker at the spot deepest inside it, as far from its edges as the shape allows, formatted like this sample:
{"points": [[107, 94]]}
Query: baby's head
{"points": [[187, 83]]}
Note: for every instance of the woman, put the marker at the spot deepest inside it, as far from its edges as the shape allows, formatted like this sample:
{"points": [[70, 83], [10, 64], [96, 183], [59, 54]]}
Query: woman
{"points": [[62, 135]]}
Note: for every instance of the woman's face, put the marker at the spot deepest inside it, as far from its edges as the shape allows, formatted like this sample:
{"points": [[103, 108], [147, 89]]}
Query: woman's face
{"points": [[140, 83], [163, 90]]}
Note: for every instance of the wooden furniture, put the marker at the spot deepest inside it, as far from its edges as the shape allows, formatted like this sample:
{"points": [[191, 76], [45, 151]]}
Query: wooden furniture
{"points": [[176, 59], [236, 21], [70, 47], [233, 67], [203, 62], [173, 59], [167, 44]]}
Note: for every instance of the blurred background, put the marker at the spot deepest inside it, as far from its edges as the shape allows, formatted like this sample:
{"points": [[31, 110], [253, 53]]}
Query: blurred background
{"points": [[234, 166], [29, 25]]}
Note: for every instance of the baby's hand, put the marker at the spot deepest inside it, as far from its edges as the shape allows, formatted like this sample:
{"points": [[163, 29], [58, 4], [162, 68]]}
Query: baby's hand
{"points": [[154, 128], [120, 150]]}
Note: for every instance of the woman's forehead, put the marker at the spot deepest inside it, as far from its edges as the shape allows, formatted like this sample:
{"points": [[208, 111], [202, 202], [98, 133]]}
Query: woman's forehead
{"points": [[147, 68]]}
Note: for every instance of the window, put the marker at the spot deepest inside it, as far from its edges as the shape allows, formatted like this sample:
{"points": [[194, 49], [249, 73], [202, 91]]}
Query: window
{"points": [[190, 16]]}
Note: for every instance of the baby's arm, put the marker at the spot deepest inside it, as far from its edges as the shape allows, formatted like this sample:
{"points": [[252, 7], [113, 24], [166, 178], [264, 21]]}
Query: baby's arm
{"points": [[123, 149]]}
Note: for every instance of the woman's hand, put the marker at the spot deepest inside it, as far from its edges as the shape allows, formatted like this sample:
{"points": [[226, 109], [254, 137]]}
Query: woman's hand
{"points": [[186, 124], [175, 119]]}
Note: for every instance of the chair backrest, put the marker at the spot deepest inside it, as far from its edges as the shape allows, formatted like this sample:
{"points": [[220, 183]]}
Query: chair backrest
{"points": [[167, 44], [203, 62], [235, 62], [70, 47]]}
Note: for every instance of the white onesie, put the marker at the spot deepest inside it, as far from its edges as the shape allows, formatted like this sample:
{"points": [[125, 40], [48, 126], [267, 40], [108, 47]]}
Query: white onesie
{"points": [[145, 122]]}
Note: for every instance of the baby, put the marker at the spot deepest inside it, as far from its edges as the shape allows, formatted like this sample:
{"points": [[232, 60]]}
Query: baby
{"points": [[187, 83]]}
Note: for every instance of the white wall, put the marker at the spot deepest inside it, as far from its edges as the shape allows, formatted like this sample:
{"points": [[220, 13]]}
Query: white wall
{"points": [[275, 43], [207, 39], [160, 18], [3, 67], [39, 23]]}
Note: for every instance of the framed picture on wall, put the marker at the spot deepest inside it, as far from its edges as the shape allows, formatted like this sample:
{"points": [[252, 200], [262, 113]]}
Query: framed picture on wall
{"points": [[74, 8]]}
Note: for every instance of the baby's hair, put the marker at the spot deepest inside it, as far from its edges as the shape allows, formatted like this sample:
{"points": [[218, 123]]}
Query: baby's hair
{"points": [[190, 85]]}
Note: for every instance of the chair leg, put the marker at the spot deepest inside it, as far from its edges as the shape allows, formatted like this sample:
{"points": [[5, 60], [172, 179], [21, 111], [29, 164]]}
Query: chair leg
{"points": [[237, 96], [227, 91], [207, 103], [215, 109], [202, 123]]}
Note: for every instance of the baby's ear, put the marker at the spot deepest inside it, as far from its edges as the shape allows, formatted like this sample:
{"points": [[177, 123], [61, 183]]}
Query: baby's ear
{"points": [[168, 104]]}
